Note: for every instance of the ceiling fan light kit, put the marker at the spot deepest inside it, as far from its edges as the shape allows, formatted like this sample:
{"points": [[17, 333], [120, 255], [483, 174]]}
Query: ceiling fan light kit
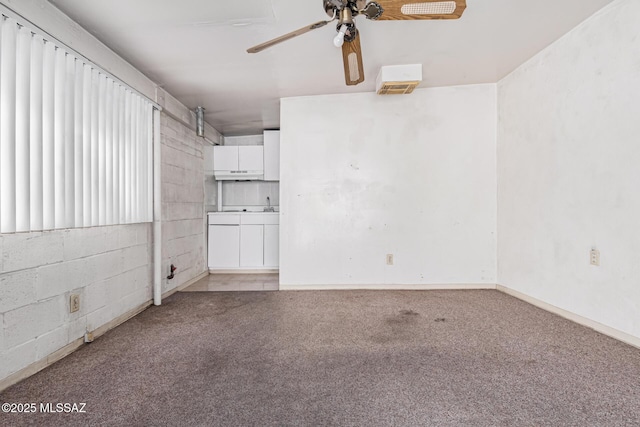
{"points": [[345, 12], [398, 79]]}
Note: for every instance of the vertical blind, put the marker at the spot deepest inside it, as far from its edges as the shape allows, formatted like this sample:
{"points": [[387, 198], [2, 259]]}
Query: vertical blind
{"points": [[75, 144]]}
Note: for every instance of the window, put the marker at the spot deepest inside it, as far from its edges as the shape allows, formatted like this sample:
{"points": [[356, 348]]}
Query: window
{"points": [[75, 143]]}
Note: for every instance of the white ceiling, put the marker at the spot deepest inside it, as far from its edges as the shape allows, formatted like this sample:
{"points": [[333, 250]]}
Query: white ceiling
{"points": [[196, 49]]}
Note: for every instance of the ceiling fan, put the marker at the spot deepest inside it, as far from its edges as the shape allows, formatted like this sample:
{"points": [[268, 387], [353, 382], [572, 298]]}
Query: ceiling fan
{"points": [[345, 12]]}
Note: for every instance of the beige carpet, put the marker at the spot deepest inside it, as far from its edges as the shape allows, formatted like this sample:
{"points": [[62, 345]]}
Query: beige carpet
{"points": [[350, 358]]}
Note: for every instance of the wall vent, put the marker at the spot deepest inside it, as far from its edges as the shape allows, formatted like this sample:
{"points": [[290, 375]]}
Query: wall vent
{"points": [[398, 79], [397, 88]]}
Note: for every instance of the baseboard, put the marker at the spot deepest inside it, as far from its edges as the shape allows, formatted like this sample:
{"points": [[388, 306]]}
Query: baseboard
{"points": [[49, 360], [249, 271], [387, 287], [185, 284], [599, 327]]}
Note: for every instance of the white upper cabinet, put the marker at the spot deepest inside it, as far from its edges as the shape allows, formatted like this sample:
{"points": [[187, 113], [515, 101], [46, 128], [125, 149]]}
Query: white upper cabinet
{"points": [[272, 155], [225, 158], [238, 162], [250, 158]]}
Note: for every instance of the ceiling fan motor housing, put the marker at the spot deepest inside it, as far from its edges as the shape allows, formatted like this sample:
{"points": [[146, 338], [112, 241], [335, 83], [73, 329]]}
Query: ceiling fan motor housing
{"points": [[355, 6]]}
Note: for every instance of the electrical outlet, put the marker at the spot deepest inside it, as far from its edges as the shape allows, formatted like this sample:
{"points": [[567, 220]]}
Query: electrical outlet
{"points": [[595, 257], [74, 303], [389, 259]]}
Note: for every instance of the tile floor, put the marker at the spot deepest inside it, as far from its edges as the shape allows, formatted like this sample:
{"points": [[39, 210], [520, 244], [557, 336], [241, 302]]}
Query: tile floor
{"points": [[236, 282]]}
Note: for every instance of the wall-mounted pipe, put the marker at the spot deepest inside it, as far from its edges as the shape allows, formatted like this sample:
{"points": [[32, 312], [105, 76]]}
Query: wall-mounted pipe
{"points": [[200, 122], [157, 211]]}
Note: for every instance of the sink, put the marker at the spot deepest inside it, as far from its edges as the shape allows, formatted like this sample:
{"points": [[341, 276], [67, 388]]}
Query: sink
{"points": [[268, 209]]}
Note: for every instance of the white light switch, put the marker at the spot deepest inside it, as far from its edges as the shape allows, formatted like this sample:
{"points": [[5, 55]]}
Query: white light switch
{"points": [[595, 257]]}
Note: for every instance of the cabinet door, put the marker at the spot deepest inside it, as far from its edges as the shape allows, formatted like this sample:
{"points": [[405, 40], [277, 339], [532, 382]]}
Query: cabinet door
{"points": [[251, 247], [225, 158], [271, 245], [272, 155], [224, 246], [251, 157]]}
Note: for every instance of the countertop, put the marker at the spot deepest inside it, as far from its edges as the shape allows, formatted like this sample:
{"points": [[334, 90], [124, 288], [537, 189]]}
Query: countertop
{"points": [[243, 213]]}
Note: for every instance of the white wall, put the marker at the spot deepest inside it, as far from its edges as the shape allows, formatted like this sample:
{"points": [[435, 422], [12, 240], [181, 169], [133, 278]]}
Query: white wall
{"points": [[569, 171], [109, 267], [364, 175]]}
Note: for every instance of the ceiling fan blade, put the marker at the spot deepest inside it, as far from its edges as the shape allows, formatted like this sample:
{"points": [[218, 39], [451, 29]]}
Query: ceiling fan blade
{"points": [[288, 36], [395, 10], [352, 59]]}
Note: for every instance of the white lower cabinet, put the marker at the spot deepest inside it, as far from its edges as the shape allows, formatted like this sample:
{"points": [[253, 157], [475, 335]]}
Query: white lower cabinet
{"points": [[224, 246], [271, 245], [243, 241], [251, 246]]}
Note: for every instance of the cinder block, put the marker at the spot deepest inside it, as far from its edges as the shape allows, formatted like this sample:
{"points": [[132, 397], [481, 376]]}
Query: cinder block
{"points": [[18, 358], [191, 160], [121, 285], [131, 301], [144, 280], [57, 279], [86, 242], [167, 132], [27, 323], [52, 341], [135, 256], [17, 289], [144, 234], [171, 124], [188, 146], [176, 229], [95, 296], [114, 237], [109, 264], [127, 235], [77, 328], [182, 211], [3, 346], [171, 192], [188, 259], [179, 247], [173, 174], [100, 317], [28, 250]]}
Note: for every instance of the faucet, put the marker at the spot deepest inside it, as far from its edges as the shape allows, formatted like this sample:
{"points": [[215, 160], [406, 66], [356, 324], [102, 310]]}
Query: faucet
{"points": [[269, 208]]}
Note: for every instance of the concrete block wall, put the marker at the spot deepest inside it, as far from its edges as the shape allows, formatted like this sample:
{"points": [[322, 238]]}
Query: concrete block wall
{"points": [[109, 267], [183, 209]]}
